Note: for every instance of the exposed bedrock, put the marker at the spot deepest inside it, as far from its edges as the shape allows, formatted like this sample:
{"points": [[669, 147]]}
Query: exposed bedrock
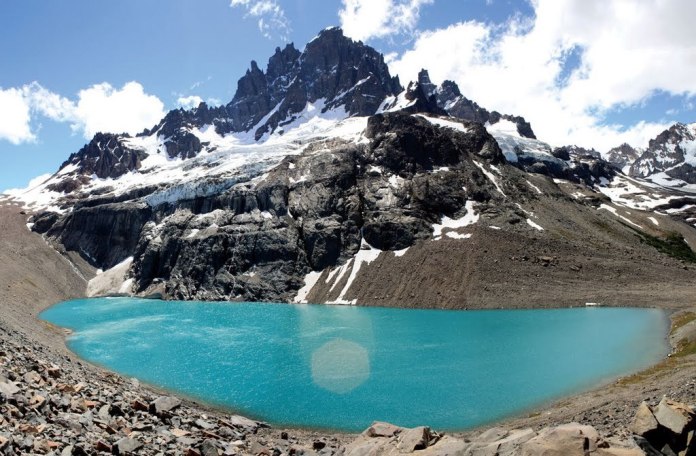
{"points": [[257, 240]]}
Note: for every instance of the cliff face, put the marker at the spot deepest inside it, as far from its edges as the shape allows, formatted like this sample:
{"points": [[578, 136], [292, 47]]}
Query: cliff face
{"points": [[258, 240]]}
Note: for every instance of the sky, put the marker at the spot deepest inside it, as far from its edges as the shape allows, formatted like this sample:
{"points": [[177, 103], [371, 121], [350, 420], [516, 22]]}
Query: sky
{"points": [[595, 73]]}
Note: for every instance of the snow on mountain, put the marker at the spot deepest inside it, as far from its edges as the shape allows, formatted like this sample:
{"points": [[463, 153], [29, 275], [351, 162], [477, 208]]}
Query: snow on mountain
{"points": [[670, 159], [226, 160]]}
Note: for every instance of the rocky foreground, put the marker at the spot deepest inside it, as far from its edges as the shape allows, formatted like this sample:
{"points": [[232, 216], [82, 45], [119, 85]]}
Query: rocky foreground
{"points": [[51, 404]]}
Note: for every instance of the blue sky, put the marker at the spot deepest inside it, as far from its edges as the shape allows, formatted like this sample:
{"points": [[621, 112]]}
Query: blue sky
{"points": [[67, 63]]}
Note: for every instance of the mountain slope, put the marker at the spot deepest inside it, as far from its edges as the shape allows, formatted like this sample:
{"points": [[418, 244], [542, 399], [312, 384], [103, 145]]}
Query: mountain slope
{"points": [[324, 181]]}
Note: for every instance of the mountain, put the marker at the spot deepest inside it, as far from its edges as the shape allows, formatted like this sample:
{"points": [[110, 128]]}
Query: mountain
{"points": [[623, 156], [450, 98], [670, 158], [323, 180]]}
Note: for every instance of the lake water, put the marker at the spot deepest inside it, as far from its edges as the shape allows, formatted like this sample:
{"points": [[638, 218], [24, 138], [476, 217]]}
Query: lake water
{"points": [[342, 367]]}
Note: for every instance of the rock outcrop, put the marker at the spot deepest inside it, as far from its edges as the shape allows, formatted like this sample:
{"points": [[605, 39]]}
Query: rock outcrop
{"points": [[450, 98], [260, 241]]}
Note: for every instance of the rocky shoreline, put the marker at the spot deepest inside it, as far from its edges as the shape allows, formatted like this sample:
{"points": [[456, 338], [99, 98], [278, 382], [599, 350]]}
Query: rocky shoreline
{"points": [[53, 403]]}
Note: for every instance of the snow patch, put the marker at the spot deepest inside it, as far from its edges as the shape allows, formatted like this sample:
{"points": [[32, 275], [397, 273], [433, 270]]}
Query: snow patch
{"points": [[366, 255], [111, 281], [447, 223], [614, 211], [400, 253], [310, 280], [454, 235], [534, 225], [444, 123], [538, 190], [490, 177]]}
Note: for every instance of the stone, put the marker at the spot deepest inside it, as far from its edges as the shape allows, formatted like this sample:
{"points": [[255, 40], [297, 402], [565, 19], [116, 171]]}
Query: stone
{"points": [[164, 404], [414, 439], [241, 422], [204, 424], [446, 446], [492, 435], [102, 446], [139, 405], [511, 444], [571, 439], [382, 429], [674, 416], [8, 389], [644, 421], [126, 445], [208, 448]]}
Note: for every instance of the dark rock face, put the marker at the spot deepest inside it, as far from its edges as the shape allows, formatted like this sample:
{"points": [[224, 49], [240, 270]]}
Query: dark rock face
{"points": [[450, 98], [313, 211], [105, 156], [420, 101], [667, 153], [104, 235]]}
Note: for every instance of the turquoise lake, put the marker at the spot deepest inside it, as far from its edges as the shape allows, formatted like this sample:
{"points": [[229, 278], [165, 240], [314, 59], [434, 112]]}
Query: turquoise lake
{"points": [[341, 367]]}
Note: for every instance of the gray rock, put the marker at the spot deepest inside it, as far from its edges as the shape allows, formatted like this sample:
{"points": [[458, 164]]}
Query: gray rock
{"points": [[566, 440], [164, 404], [242, 422], [208, 448], [8, 389], [674, 416], [644, 422], [126, 445]]}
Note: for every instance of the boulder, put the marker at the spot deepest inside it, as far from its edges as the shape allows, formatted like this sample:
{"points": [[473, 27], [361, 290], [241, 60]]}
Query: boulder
{"points": [[382, 429], [8, 389], [571, 439], [644, 422], [125, 445], [164, 404], [674, 416], [414, 439]]}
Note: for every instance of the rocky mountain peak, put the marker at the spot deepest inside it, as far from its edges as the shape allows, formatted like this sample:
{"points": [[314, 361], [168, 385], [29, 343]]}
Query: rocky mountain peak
{"points": [[450, 98], [105, 156], [424, 80], [332, 69], [622, 156], [671, 152]]}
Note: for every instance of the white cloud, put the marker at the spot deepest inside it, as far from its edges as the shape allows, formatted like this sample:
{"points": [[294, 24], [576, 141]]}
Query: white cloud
{"points": [[627, 50], [365, 19], [126, 110], [15, 117], [100, 107], [189, 102], [271, 18]]}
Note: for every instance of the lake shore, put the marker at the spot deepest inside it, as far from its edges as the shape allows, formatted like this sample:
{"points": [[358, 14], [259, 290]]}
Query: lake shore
{"points": [[34, 276]]}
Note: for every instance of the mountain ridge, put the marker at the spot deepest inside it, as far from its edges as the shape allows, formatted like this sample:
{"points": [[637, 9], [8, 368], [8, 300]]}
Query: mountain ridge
{"points": [[322, 167]]}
